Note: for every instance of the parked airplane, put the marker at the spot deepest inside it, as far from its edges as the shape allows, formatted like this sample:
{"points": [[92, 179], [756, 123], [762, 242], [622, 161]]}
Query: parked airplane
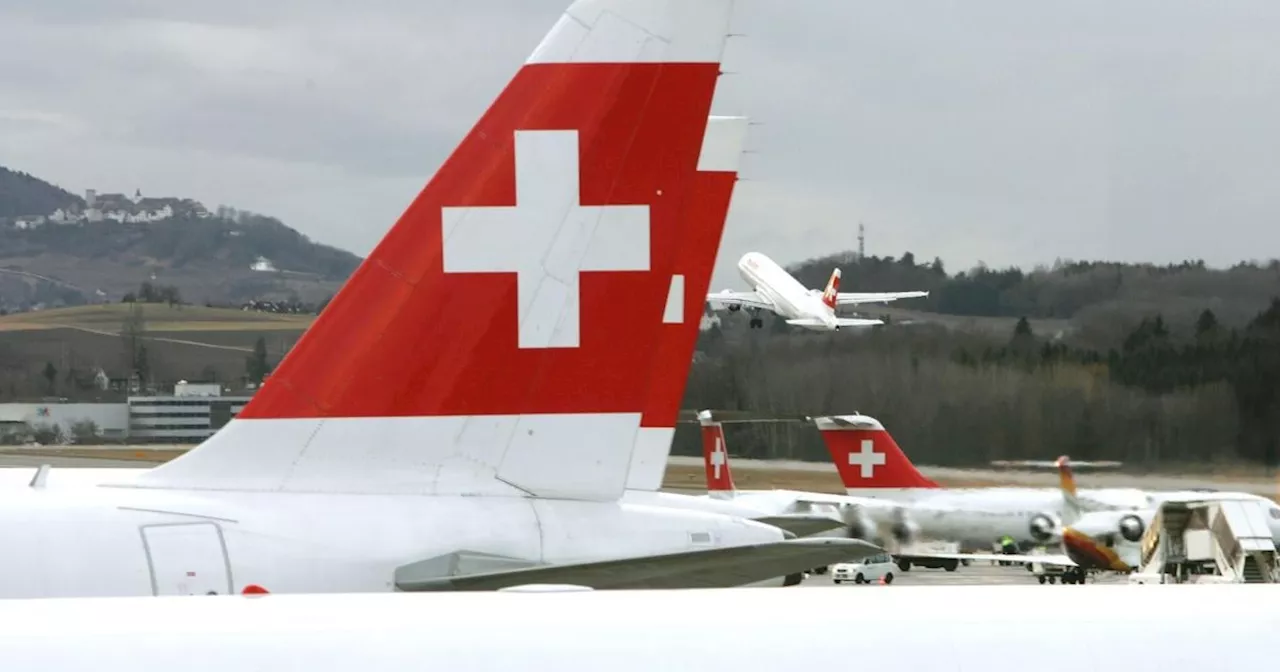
{"points": [[854, 517], [775, 290], [886, 522], [1091, 542], [463, 414], [871, 464], [912, 628]]}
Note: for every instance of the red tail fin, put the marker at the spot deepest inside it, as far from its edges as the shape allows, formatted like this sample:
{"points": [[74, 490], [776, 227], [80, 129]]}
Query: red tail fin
{"points": [[479, 348], [715, 456], [833, 290], [867, 456]]}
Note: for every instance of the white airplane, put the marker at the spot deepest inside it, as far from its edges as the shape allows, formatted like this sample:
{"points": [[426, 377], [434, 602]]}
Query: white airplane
{"points": [[866, 518], [775, 290], [464, 414], [871, 464], [1171, 628]]}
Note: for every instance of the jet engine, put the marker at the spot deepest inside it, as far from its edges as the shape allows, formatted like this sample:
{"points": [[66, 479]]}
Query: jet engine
{"points": [[904, 530], [1131, 528], [1045, 528], [860, 524]]}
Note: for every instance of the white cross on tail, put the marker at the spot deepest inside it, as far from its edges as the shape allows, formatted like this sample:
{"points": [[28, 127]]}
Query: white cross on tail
{"points": [[868, 459], [547, 238], [717, 457]]}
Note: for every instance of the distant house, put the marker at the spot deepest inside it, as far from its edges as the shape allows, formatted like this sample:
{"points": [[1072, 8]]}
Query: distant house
{"points": [[262, 264]]}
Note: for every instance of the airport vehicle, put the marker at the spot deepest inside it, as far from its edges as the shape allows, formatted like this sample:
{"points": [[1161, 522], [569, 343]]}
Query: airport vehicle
{"points": [[1181, 628], [878, 567], [777, 291], [464, 413], [872, 465]]}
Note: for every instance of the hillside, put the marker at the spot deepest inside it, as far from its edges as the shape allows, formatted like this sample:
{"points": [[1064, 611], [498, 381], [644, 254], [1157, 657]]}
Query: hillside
{"points": [[58, 249], [22, 194]]}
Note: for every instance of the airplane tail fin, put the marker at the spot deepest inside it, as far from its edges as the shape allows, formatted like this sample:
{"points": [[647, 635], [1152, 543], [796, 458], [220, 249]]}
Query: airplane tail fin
{"points": [[1071, 508], [715, 457], [868, 459], [478, 349], [833, 289]]}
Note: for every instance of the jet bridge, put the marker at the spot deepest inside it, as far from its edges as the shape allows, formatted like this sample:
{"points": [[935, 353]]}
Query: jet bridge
{"points": [[1209, 541]]}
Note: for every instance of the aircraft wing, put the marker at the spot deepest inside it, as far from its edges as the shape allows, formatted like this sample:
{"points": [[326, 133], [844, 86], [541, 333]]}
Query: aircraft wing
{"points": [[1055, 560], [704, 568], [747, 299], [854, 298], [802, 524]]}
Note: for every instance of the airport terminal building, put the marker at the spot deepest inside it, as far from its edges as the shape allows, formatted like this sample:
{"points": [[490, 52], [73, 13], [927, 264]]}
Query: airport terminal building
{"points": [[190, 415]]}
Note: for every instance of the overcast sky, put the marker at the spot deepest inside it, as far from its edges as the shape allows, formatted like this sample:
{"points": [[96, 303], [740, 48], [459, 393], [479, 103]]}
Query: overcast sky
{"points": [[995, 130]]}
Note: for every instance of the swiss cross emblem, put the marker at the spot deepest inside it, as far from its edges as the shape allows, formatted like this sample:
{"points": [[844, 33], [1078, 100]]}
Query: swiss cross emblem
{"points": [[548, 238]]}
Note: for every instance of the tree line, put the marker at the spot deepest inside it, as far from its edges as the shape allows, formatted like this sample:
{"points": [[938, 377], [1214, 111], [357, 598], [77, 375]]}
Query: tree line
{"points": [[953, 398]]}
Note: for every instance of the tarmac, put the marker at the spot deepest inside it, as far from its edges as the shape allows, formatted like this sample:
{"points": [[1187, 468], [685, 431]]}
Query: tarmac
{"points": [[976, 574]]}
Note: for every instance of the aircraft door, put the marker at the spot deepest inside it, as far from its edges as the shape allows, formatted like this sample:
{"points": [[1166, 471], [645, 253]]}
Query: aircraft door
{"points": [[187, 559]]}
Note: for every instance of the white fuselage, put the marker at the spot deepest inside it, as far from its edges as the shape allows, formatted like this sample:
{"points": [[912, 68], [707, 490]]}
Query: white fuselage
{"points": [[791, 299], [1175, 628], [72, 540], [984, 514]]}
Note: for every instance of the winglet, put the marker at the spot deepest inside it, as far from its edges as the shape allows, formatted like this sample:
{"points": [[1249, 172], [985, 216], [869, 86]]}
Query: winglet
{"points": [[715, 457], [478, 349], [866, 455]]}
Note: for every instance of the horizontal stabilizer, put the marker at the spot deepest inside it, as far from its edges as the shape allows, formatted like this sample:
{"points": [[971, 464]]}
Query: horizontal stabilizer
{"points": [[704, 568], [802, 524], [1053, 464]]}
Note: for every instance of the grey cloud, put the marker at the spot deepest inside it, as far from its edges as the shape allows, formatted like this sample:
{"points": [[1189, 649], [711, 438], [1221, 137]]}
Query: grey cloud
{"points": [[1004, 131]]}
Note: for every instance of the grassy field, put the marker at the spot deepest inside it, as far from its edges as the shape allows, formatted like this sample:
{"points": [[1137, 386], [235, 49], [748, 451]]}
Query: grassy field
{"points": [[191, 342], [157, 317]]}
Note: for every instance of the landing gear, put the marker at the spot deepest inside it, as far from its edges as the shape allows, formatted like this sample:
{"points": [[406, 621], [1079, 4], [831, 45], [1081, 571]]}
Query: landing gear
{"points": [[904, 565], [756, 323]]}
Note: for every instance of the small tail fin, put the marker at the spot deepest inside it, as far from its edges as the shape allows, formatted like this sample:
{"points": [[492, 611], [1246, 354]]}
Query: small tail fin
{"points": [[833, 290], [715, 457], [478, 349], [867, 457], [1071, 508]]}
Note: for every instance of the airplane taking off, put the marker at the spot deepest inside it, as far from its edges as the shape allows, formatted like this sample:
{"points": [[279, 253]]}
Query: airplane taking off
{"points": [[1172, 628], [464, 413], [777, 291]]}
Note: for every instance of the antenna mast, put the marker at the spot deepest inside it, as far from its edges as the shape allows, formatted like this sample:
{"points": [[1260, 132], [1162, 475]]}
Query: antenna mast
{"points": [[862, 241]]}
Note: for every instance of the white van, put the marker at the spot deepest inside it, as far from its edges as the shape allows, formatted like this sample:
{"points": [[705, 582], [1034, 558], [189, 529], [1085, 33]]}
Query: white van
{"points": [[870, 570]]}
